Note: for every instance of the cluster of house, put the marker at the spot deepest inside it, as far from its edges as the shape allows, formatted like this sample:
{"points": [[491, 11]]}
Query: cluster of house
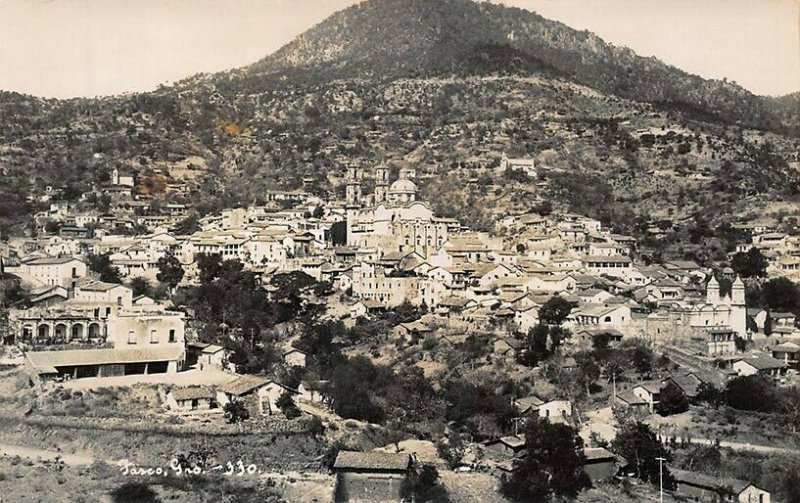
{"points": [[76, 327], [126, 208], [782, 250], [259, 395], [387, 248], [378, 475]]}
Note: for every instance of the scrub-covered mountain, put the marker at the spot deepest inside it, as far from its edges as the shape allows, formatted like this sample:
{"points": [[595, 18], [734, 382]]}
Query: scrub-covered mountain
{"points": [[390, 38]]}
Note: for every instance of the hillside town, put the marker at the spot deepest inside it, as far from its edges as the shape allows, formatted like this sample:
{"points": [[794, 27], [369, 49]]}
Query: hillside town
{"points": [[406, 251], [553, 301]]}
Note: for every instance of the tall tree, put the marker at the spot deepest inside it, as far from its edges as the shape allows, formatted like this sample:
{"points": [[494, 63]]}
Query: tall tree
{"points": [[672, 400], [637, 443], [140, 286], [749, 264], [555, 310], [553, 466], [170, 271], [781, 294], [101, 265]]}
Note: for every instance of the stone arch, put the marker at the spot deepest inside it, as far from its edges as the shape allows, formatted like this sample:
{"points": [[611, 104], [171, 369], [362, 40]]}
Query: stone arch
{"points": [[60, 331], [94, 331], [76, 332], [27, 332], [43, 331]]}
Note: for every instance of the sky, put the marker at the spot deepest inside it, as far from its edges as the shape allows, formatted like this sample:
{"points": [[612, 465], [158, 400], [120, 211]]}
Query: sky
{"points": [[69, 48]]}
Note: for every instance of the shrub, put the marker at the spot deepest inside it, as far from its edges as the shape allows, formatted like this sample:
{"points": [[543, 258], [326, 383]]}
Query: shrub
{"points": [[235, 411], [134, 492]]}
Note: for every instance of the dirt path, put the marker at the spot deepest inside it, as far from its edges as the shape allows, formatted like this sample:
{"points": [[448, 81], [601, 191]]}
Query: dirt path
{"points": [[11, 450], [601, 422], [740, 446]]}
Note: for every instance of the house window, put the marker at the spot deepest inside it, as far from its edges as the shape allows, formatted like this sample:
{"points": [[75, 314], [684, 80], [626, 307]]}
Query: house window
{"points": [[172, 336], [153, 337], [108, 311], [74, 272], [131, 337], [119, 301]]}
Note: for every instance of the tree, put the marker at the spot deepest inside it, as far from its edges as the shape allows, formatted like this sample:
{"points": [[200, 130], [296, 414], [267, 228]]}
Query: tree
{"points": [[235, 411], [170, 270], [600, 341], [754, 393], [553, 466], [703, 459], [642, 359], [188, 225], [781, 294], [588, 372], [285, 402], [250, 357], [555, 311], [451, 449], [478, 408], [101, 265], [637, 443], [749, 264], [140, 286], [422, 485], [535, 346], [351, 389], [672, 400], [209, 266], [708, 393]]}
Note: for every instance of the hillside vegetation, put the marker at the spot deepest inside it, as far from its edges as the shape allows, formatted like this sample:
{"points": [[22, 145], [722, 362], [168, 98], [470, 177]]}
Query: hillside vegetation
{"points": [[446, 85]]}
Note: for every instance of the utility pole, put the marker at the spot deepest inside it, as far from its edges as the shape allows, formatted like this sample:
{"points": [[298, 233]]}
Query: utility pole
{"points": [[614, 387], [661, 478]]}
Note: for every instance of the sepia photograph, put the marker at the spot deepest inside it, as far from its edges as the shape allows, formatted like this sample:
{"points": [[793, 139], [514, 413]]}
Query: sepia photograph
{"points": [[406, 251]]}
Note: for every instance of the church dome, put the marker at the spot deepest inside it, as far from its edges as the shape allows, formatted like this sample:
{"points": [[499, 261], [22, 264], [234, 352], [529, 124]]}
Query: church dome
{"points": [[403, 187]]}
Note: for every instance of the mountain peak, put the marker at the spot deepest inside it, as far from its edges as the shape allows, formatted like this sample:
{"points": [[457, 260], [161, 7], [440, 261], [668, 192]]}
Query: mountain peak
{"points": [[406, 38]]}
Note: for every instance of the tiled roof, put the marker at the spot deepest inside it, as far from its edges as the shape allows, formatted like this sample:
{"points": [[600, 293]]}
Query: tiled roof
{"points": [[598, 453], [734, 486], [99, 286], [191, 393], [764, 363], [651, 386], [374, 460], [52, 261], [47, 360], [243, 385]]}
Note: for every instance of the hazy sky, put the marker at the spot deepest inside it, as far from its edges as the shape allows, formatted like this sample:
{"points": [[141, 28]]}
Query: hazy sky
{"points": [[66, 48]]}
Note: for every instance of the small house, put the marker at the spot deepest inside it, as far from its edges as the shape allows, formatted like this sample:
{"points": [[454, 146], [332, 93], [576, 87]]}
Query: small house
{"points": [[506, 446], [370, 476], [535, 406], [601, 465], [259, 394], [700, 487], [689, 384], [766, 366], [788, 352], [650, 392], [295, 358], [508, 347], [628, 399], [412, 332], [213, 356], [191, 398]]}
